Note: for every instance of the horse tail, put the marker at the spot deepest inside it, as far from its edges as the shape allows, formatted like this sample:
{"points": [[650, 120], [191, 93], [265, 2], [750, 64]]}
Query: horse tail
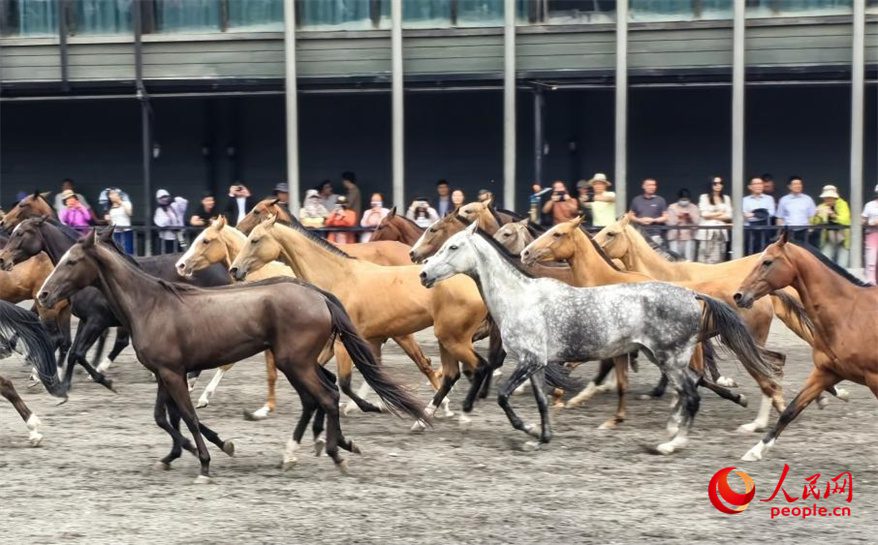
{"points": [[397, 398], [21, 327], [718, 318], [558, 376]]}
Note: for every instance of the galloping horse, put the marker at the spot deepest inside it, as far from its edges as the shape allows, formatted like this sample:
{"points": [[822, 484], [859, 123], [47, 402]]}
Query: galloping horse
{"points": [[840, 310], [382, 252], [220, 243], [21, 331], [293, 319], [622, 241], [591, 267], [544, 321], [399, 228]]}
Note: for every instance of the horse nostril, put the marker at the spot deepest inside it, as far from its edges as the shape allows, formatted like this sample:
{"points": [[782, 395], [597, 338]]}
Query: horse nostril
{"points": [[738, 296], [423, 275]]}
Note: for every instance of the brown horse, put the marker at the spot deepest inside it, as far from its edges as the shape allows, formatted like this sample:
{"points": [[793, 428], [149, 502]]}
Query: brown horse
{"points": [[220, 243], [20, 331], [383, 252], [398, 228], [620, 240], [196, 330], [32, 206], [383, 301], [591, 268], [840, 310]]}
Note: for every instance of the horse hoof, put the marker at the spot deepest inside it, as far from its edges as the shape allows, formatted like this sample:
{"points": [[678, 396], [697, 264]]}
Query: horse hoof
{"points": [[343, 468], [531, 446], [532, 430], [665, 448], [319, 445], [842, 394], [355, 449], [645, 397], [229, 448], [161, 466], [202, 403], [289, 464], [758, 452], [750, 428], [35, 438], [259, 414], [728, 382], [418, 426], [822, 402], [202, 479], [608, 425], [742, 400]]}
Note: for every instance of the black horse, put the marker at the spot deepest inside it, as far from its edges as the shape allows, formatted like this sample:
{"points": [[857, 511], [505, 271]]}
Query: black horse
{"points": [[94, 311]]}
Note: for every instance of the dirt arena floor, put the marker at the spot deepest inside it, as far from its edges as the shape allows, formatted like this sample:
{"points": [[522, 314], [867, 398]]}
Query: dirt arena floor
{"points": [[92, 480]]}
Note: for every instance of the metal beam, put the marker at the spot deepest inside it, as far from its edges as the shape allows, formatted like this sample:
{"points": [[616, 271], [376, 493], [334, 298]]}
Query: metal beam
{"points": [[621, 137], [857, 119], [509, 105], [292, 105], [63, 10], [738, 84], [398, 111], [145, 124], [539, 134]]}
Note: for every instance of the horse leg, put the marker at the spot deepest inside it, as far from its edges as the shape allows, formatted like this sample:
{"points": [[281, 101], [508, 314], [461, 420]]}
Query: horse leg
{"points": [[345, 366], [413, 350], [684, 381], [123, 339], [170, 424], [538, 383], [295, 442], [450, 375], [772, 395], [496, 357], [481, 373], [271, 385], [526, 367], [176, 386], [589, 391], [723, 392], [621, 365], [86, 334], [31, 420], [101, 363], [819, 380], [208, 392]]}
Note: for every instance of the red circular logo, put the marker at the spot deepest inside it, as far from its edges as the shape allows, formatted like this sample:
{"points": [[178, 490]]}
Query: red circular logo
{"points": [[724, 498]]}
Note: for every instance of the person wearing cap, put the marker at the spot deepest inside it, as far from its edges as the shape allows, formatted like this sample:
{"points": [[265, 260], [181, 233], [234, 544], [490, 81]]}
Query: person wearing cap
{"points": [[758, 209], [202, 216], [834, 211], [602, 203], [373, 216], [171, 212], [73, 213], [354, 200], [239, 204], [796, 209], [67, 185], [341, 216], [869, 218], [281, 192], [313, 213], [485, 195]]}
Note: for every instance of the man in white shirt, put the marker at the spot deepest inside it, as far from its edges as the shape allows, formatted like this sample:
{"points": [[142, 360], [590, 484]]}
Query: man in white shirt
{"points": [[758, 209]]}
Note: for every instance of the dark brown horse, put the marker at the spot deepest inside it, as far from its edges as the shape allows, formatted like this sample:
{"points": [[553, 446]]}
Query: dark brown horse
{"points": [[188, 328], [21, 331]]}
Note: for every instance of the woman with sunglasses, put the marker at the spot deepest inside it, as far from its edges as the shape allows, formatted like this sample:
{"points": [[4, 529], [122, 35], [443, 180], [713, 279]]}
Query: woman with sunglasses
{"points": [[716, 211]]}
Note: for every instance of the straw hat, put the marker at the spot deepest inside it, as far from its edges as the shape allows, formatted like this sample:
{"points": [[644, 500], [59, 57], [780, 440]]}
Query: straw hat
{"points": [[66, 194], [600, 177], [829, 191]]}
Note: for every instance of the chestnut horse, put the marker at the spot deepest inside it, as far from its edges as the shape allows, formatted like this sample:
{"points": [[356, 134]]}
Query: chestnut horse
{"points": [[398, 228], [381, 253], [32, 206], [841, 314], [190, 328]]}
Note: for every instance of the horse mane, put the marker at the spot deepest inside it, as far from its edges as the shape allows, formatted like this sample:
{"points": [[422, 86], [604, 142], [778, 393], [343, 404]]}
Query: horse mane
{"points": [[535, 229], [507, 256], [514, 215], [666, 253], [599, 250], [410, 222], [838, 269], [71, 233], [296, 225]]}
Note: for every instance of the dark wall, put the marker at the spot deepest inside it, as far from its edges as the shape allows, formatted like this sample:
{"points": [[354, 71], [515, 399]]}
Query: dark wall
{"points": [[680, 136]]}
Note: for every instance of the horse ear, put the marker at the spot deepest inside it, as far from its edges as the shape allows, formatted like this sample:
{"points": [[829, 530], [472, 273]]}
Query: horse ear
{"points": [[471, 228], [36, 193], [392, 212], [577, 221], [220, 222], [42, 219], [270, 220], [273, 202], [90, 239], [624, 220], [106, 235], [784, 237], [489, 202], [525, 222]]}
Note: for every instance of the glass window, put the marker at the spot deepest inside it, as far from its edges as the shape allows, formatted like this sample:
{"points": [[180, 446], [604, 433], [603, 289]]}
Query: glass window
{"points": [[28, 18], [580, 11], [256, 15], [428, 13], [474, 13], [679, 10], [787, 8], [101, 17], [343, 14], [187, 15]]}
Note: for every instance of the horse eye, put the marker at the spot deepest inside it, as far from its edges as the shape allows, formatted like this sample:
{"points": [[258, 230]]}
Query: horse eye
{"points": [[452, 247], [557, 235], [255, 241], [507, 234], [205, 241], [766, 263], [611, 234], [432, 229]]}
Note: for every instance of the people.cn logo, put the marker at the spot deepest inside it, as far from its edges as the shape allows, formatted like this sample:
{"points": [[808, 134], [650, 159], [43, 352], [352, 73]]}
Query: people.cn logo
{"points": [[724, 498]]}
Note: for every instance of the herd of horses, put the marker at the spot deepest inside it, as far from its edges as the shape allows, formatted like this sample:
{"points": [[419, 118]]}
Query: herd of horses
{"points": [[552, 299]]}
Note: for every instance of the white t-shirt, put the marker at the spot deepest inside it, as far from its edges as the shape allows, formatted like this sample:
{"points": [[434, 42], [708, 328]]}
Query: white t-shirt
{"points": [[242, 208], [119, 217], [870, 214]]}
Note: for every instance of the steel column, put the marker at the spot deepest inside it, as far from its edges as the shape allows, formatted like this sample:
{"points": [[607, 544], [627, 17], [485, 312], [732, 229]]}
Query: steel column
{"points": [[858, 89], [621, 136], [738, 83], [509, 105], [398, 112], [292, 105]]}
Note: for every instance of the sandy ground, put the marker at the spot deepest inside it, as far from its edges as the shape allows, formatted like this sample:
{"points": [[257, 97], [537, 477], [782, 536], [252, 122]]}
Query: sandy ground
{"points": [[92, 479]]}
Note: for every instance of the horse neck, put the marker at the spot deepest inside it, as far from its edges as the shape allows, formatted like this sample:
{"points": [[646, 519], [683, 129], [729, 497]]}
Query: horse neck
{"points": [[495, 279], [488, 223], [826, 297], [234, 241], [590, 269], [311, 262], [129, 290], [409, 233], [641, 258], [55, 242]]}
